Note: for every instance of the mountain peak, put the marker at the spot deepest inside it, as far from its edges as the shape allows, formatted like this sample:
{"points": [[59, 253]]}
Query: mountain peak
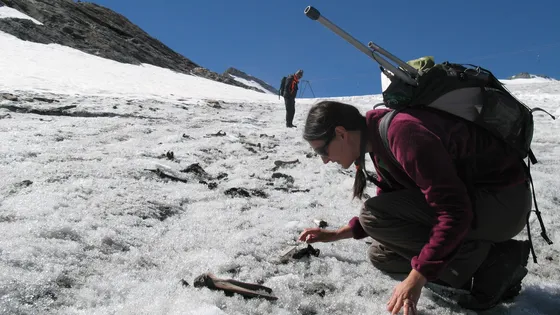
{"points": [[527, 75]]}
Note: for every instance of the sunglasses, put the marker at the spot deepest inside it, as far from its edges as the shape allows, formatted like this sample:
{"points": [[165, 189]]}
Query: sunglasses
{"points": [[322, 150]]}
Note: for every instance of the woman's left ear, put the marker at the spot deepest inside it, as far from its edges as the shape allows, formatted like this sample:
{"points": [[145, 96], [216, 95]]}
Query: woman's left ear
{"points": [[340, 132]]}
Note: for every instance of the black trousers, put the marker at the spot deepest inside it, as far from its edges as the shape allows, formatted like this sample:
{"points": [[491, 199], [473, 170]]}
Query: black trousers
{"points": [[290, 110]]}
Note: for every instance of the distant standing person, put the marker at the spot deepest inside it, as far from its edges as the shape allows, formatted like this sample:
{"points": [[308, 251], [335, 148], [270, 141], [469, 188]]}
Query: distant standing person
{"points": [[289, 94]]}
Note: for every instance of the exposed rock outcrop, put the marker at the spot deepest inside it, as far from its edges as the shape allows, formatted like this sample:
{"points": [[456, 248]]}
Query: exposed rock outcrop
{"points": [[99, 31], [243, 75]]}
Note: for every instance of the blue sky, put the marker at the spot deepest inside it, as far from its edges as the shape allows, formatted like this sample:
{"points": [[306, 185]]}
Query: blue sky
{"points": [[269, 39]]}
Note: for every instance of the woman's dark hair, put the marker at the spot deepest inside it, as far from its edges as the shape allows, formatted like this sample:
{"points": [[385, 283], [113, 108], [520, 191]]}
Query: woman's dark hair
{"points": [[321, 122]]}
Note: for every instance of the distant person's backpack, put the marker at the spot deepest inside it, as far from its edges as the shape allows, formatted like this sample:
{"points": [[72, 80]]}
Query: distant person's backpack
{"points": [[471, 93], [282, 86]]}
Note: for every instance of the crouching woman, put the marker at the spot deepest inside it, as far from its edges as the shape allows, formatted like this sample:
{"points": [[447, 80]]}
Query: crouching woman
{"points": [[447, 206]]}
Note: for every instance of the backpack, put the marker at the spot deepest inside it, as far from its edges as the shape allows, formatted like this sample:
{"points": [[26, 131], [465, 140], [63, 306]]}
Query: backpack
{"points": [[471, 93], [282, 86]]}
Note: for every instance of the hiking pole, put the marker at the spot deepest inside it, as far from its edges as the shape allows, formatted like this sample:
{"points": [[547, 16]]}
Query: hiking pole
{"points": [[303, 90], [305, 86], [309, 84], [314, 14]]}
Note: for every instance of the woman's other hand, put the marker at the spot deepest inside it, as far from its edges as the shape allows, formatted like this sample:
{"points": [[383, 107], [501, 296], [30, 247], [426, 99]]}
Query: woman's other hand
{"points": [[314, 235]]}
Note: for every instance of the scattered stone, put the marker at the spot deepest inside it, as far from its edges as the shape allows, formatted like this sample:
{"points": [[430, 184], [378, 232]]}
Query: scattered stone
{"points": [[234, 270], [251, 150], [184, 283], [237, 192], [292, 252], [7, 218], [319, 289], [24, 183], [218, 134], [57, 111], [222, 176], [198, 171], [64, 281], [321, 223], [46, 100], [252, 144], [282, 163], [272, 146], [169, 155], [279, 164], [306, 252], [160, 211], [288, 178], [8, 96], [242, 192], [259, 193], [214, 103], [307, 310], [290, 190], [214, 151], [167, 175]]}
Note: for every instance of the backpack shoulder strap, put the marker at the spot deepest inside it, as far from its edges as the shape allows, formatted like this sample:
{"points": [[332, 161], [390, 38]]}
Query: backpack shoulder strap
{"points": [[383, 131]]}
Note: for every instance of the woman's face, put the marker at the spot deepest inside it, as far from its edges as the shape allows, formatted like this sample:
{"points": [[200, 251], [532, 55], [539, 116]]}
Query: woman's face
{"points": [[340, 149]]}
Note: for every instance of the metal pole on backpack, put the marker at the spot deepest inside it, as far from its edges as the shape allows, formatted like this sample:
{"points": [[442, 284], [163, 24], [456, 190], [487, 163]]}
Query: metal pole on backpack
{"points": [[410, 69], [407, 76]]}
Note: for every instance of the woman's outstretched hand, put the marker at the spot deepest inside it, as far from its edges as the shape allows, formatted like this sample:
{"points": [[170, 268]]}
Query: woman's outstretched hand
{"points": [[407, 294], [314, 235]]}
